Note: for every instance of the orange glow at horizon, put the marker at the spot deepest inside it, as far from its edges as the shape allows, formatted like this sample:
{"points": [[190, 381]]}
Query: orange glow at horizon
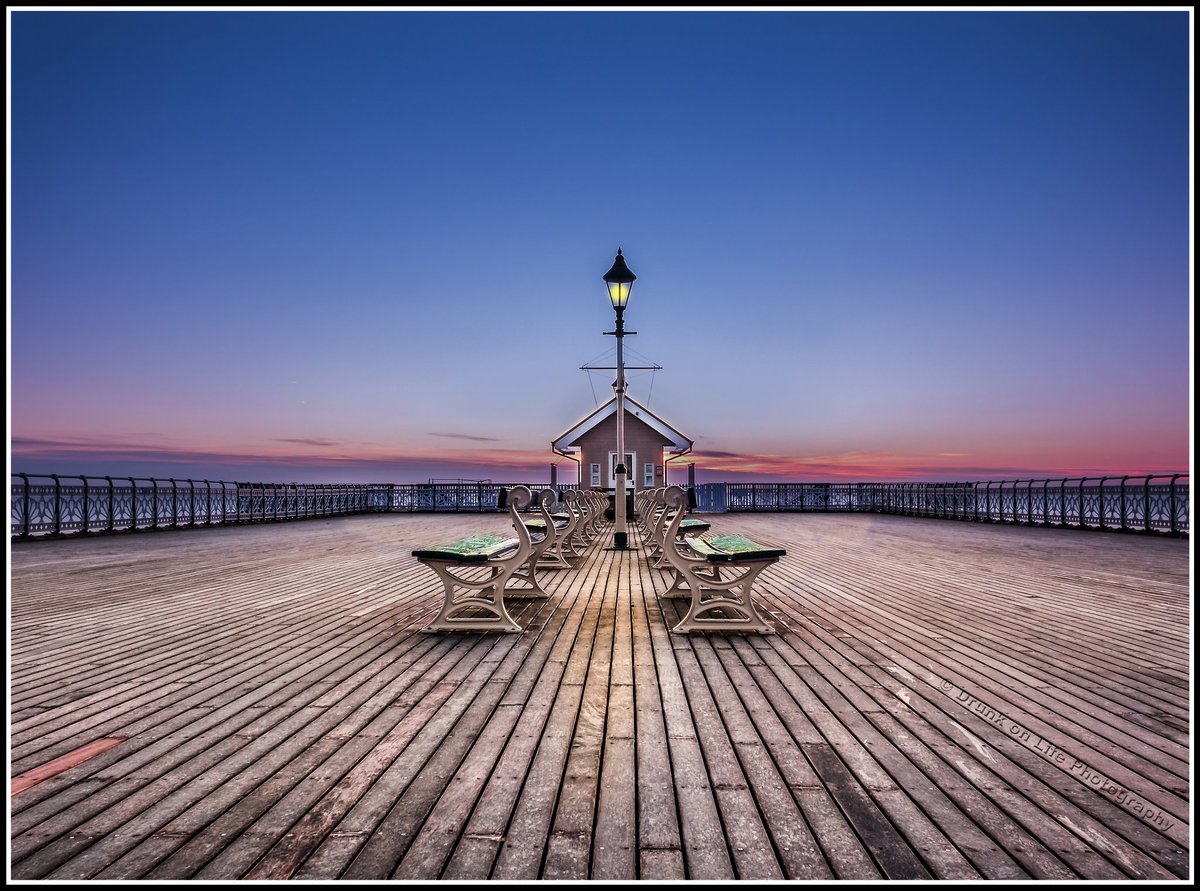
{"points": [[848, 465]]}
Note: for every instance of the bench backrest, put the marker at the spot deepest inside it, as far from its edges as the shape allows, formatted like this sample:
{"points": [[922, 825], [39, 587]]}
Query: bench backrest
{"points": [[516, 500]]}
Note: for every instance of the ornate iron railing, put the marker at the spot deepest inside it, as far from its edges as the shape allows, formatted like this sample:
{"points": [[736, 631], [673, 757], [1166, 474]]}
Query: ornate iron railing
{"points": [[795, 497], [53, 505], [411, 497], [1146, 503], [56, 504]]}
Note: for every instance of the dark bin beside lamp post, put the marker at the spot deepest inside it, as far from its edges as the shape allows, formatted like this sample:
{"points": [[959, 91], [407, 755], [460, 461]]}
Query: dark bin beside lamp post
{"points": [[620, 282]]}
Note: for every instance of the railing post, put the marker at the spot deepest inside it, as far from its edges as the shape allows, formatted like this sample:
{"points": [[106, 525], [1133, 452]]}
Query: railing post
{"points": [[86, 507], [1103, 521], [1174, 506], [25, 503], [57, 503], [1082, 511], [112, 507], [174, 503], [132, 502], [1146, 503], [1045, 502], [1124, 513]]}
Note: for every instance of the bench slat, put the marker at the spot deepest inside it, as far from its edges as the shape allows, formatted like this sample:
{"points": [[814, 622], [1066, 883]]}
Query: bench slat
{"points": [[732, 549], [473, 549]]}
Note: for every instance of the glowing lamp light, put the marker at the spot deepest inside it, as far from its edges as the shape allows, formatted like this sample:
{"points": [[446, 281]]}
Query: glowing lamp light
{"points": [[620, 282]]}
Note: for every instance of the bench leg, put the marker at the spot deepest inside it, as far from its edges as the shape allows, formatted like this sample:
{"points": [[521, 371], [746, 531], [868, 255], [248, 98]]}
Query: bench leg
{"points": [[729, 596], [554, 558], [680, 589], [527, 573], [486, 595]]}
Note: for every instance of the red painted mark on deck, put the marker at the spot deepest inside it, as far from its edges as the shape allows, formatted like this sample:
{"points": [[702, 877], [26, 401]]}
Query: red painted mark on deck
{"points": [[63, 762]]}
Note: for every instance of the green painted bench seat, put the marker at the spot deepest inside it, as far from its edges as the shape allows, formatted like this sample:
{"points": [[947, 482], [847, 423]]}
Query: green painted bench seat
{"points": [[538, 525], [473, 549], [694, 524], [732, 549]]}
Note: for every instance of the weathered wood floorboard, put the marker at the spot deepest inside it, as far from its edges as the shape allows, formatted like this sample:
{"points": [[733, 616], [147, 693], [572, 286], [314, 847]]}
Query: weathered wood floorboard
{"points": [[941, 699]]}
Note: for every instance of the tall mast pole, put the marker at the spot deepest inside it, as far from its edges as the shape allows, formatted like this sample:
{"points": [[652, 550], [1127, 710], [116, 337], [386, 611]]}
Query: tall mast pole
{"points": [[621, 529]]}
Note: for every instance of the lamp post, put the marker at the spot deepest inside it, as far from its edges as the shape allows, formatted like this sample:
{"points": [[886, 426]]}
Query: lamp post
{"points": [[620, 282]]}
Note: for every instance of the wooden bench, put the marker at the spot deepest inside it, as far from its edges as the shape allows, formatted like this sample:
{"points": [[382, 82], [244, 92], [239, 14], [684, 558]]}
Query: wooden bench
{"points": [[716, 574], [592, 505], [545, 554], [478, 604], [573, 540], [652, 509]]}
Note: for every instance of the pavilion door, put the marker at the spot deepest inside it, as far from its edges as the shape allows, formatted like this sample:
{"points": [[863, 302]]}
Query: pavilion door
{"points": [[630, 466]]}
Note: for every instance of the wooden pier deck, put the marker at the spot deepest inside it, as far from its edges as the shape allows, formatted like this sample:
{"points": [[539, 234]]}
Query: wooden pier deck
{"points": [[942, 699]]}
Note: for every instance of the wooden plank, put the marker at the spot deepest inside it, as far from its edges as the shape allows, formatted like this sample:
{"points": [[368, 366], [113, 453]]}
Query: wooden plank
{"points": [[524, 762], [706, 852], [658, 831], [614, 853], [28, 780]]}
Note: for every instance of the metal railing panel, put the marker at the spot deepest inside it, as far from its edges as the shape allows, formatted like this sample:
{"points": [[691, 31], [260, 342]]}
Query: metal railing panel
{"points": [[44, 505]]}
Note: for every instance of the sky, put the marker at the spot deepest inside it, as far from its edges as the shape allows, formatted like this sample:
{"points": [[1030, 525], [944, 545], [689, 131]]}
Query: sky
{"points": [[328, 246]]}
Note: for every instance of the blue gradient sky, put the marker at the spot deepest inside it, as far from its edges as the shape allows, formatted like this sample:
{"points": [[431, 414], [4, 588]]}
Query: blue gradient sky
{"points": [[294, 246]]}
